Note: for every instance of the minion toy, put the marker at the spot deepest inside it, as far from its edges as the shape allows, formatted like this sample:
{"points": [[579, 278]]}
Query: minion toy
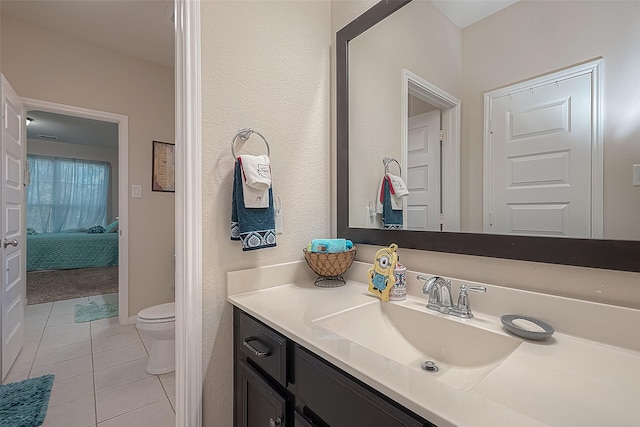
{"points": [[381, 278]]}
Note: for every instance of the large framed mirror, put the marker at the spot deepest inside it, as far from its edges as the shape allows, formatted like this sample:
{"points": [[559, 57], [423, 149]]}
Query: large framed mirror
{"points": [[605, 246]]}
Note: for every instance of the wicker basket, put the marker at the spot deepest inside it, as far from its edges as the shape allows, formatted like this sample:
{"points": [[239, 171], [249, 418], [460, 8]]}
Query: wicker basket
{"points": [[330, 266]]}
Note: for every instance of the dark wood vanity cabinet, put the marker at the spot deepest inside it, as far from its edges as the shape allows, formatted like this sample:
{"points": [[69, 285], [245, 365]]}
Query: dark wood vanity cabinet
{"points": [[279, 383], [261, 377]]}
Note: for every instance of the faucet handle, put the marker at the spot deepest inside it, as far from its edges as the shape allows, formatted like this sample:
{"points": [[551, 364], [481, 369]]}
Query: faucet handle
{"points": [[479, 289], [463, 309]]}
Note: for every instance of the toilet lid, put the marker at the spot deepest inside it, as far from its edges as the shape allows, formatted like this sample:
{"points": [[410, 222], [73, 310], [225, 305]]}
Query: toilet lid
{"points": [[158, 312]]}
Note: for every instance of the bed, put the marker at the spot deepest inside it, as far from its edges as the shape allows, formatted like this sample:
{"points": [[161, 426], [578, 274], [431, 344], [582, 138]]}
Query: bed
{"points": [[59, 251]]}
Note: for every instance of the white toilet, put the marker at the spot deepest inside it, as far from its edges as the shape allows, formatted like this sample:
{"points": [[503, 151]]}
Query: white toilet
{"points": [[159, 322]]}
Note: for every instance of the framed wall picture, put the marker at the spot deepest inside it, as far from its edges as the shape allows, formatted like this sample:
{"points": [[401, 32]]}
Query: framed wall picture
{"points": [[164, 167]]}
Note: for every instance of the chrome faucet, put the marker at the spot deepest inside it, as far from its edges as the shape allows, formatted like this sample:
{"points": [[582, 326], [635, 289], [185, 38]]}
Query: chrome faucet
{"points": [[439, 292]]}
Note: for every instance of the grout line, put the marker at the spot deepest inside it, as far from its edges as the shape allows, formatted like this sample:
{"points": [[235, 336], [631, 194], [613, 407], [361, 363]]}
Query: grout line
{"points": [[93, 369], [144, 406]]}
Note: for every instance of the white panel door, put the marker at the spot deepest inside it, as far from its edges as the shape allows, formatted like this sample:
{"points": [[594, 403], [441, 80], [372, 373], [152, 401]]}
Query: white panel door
{"points": [[540, 177], [423, 174], [12, 239]]}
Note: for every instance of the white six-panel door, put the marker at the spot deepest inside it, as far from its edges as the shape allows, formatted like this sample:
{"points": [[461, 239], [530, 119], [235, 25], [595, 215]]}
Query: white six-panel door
{"points": [[423, 174], [540, 160], [12, 238]]}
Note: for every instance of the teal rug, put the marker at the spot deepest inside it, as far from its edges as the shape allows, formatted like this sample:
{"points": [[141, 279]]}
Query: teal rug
{"points": [[86, 312], [25, 403]]}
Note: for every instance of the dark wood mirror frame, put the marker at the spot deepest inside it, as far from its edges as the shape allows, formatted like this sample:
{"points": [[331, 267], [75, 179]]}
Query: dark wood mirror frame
{"points": [[608, 254]]}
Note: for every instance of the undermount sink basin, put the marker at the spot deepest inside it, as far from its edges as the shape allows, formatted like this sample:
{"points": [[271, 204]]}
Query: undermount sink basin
{"points": [[410, 334]]}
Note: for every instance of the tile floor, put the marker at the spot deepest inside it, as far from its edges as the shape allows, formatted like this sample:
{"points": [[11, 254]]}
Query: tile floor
{"points": [[99, 368]]}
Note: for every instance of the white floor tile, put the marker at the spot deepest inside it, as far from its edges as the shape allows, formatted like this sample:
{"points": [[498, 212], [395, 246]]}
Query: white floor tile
{"points": [[50, 342], [115, 341], [60, 354], [36, 311], [65, 391], [172, 399], [67, 369], [158, 414], [128, 397], [105, 323], [66, 307], [169, 383], [65, 328], [24, 361], [122, 374], [107, 298], [30, 344], [33, 330], [116, 356], [78, 413], [102, 330], [13, 377], [60, 320]]}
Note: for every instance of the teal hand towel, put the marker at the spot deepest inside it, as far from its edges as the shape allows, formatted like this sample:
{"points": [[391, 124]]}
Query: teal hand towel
{"points": [[331, 245]]}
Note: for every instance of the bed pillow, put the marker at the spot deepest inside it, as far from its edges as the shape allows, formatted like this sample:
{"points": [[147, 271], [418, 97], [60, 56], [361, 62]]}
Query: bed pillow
{"points": [[96, 229], [112, 228]]}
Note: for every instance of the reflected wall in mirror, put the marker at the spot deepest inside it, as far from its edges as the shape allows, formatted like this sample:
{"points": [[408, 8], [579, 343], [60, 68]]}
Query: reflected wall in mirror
{"points": [[523, 41], [520, 42]]}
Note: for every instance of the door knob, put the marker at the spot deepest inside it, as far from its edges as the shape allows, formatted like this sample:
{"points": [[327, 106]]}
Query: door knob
{"points": [[6, 243]]}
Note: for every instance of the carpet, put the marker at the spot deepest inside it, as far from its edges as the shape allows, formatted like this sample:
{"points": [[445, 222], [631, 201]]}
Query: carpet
{"points": [[94, 310], [25, 403], [48, 286]]}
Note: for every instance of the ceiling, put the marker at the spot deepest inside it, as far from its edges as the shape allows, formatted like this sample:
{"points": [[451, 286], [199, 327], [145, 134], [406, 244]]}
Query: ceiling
{"points": [[144, 29], [140, 28], [72, 130], [466, 12]]}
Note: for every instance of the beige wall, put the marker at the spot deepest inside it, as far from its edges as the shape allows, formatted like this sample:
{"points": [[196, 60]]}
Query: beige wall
{"points": [[264, 65], [64, 70], [376, 60], [614, 287], [86, 152], [531, 38]]}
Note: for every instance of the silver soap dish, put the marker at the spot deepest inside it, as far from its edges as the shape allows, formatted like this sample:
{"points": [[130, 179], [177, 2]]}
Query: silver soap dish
{"points": [[526, 327]]}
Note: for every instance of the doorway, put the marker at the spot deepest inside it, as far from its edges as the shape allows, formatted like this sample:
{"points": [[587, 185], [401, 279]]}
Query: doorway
{"points": [[437, 154], [121, 122]]}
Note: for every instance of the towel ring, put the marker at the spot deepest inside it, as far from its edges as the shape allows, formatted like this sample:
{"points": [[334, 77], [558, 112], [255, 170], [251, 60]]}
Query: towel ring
{"points": [[245, 134], [388, 160]]}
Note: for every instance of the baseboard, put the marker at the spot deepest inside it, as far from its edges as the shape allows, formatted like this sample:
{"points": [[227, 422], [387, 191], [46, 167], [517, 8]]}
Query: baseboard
{"points": [[132, 320]]}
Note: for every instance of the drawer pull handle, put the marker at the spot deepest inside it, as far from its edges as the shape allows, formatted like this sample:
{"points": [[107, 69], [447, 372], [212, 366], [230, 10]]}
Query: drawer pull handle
{"points": [[275, 423], [259, 353]]}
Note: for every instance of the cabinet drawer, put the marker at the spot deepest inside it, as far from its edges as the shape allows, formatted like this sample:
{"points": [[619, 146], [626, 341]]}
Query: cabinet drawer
{"points": [[340, 401], [266, 348]]}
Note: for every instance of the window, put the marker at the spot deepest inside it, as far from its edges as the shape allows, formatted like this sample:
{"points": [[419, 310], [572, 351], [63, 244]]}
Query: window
{"points": [[66, 194]]}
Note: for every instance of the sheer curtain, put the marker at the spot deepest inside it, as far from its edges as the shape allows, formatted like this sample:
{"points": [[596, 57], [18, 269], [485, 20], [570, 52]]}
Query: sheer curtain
{"points": [[66, 194]]}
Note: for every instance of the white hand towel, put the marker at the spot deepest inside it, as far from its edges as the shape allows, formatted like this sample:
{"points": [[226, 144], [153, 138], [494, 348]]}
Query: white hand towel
{"points": [[256, 173], [379, 195], [396, 202], [399, 187]]}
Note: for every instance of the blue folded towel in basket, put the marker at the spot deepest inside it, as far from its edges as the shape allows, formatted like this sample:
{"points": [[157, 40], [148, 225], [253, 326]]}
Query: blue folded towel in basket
{"points": [[254, 227]]}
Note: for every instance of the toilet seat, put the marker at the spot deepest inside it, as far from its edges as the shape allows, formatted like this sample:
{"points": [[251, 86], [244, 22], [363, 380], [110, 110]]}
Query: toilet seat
{"points": [[162, 313]]}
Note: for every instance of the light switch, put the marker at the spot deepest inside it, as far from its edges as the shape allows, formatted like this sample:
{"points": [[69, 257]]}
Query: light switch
{"points": [[136, 191], [636, 175]]}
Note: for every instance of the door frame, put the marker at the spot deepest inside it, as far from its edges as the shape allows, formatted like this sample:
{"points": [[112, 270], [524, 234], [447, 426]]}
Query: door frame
{"points": [[450, 167], [123, 184], [188, 215], [593, 67]]}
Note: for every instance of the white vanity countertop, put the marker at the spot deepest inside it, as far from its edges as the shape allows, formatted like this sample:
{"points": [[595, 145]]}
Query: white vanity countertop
{"points": [[559, 382]]}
